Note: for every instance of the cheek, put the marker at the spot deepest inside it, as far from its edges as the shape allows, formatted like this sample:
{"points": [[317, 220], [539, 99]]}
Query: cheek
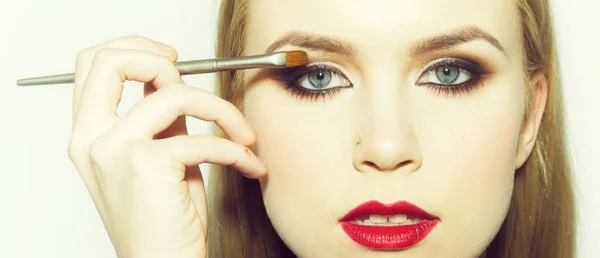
{"points": [[300, 141], [304, 146], [469, 150]]}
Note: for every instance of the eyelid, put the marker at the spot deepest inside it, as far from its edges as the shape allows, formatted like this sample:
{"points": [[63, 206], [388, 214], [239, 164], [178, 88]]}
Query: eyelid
{"points": [[335, 66], [429, 65], [477, 69]]}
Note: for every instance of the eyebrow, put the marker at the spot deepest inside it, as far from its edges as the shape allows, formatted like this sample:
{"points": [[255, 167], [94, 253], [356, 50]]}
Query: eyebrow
{"points": [[313, 42], [457, 37], [444, 41]]}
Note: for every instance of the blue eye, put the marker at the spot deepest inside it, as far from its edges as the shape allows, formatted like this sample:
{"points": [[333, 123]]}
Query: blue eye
{"points": [[315, 81], [451, 76], [446, 74], [321, 77]]}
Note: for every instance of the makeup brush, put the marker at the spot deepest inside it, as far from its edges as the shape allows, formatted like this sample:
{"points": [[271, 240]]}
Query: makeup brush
{"points": [[274, 60]]}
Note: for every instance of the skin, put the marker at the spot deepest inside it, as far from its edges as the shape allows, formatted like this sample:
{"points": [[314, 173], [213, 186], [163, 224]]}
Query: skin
{"points": [[453, 156], [141, 169]]}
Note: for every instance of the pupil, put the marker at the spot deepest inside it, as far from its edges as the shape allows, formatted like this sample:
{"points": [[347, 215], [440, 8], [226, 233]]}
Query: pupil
{"points": [[320, 76], [448, 74]]}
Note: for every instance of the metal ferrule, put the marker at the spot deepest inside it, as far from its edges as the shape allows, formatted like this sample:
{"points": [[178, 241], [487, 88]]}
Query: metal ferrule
{"points": [[270, 60], [215, 65]]}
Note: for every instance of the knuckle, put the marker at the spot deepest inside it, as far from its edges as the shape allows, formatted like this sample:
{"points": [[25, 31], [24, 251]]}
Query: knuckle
{"points": [[107, 57], [85, 56], [101, 151], [135, 40], [75, 148], [129, 158], [103, 55], [230, 106]]}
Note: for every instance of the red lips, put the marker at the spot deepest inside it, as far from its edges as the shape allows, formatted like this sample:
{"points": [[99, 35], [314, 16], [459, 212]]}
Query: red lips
{"points": [[388, 237]]}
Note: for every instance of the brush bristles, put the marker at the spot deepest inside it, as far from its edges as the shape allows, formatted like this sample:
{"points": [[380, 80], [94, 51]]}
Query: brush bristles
{"points": [[295, 58]]}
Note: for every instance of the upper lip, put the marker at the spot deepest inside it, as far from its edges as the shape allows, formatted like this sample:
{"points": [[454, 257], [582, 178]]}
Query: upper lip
{"points": [[378, 208]]}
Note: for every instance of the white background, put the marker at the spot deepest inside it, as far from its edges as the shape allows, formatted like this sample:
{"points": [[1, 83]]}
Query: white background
{"points": [[46, 210]]}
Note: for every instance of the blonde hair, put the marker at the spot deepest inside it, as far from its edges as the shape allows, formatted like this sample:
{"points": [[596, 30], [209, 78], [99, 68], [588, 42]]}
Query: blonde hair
{"points": [[541, 217]]}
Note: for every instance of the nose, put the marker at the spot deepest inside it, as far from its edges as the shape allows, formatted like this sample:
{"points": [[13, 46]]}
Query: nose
{"points": [[388, 139], [387, 153], [384, 156]]}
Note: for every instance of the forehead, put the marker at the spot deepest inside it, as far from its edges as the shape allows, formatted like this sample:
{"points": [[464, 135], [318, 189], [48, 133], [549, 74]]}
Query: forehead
{"points": [[378, 24]]}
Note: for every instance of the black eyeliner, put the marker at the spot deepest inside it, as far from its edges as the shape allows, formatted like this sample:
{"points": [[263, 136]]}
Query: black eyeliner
{"points": [[290, 77], [459, 63], [464, 88]]}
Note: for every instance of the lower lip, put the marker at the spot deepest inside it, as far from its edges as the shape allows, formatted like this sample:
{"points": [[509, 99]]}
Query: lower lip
{"points": [[389, 237]]}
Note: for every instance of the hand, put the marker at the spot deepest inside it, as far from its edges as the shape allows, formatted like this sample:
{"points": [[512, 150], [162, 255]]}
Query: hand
{"points": [[142, 169]]}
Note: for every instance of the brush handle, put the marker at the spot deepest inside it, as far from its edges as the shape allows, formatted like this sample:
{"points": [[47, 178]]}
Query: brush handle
{"points": [[274, 60], [45, 80]]}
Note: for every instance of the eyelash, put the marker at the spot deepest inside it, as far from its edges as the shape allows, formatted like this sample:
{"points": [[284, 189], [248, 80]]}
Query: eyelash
{"points": [[464, 88], [290, 77]]}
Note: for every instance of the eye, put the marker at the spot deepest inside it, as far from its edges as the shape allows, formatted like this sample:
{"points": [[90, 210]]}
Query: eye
{"points": [[322, 78], [315, 81], [451, 76], [447, 75]]}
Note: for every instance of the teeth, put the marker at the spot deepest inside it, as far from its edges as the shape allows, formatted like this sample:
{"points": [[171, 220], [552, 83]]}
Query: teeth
{"points": [[398, 218], [383, 220], [378, 218]]}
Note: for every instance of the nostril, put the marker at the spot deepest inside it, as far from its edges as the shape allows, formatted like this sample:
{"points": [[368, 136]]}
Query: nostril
{"points": [[404, 163], [371, 164], [387, 167]]}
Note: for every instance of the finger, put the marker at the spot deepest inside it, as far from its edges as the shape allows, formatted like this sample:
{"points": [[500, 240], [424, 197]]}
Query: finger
{"points": [[111, 67], [86, 56], [179, 127], [156, 112], [192, 150]]}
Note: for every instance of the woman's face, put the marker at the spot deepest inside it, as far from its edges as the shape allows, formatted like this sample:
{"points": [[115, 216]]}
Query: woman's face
{"points": [[435, 92]]}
